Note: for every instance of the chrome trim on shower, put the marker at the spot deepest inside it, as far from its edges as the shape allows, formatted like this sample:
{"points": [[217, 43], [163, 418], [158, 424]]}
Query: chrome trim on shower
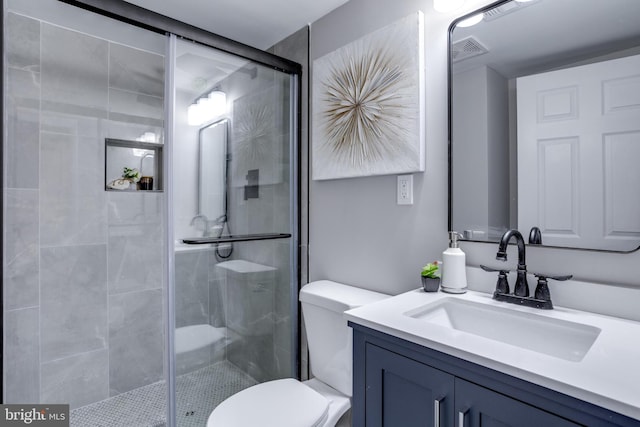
{"points": [[170, 310], [295, 214]]}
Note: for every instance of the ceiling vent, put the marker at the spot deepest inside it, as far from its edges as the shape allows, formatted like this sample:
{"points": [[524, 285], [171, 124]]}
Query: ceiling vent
{"points": [[506, 8], [467, 48]]}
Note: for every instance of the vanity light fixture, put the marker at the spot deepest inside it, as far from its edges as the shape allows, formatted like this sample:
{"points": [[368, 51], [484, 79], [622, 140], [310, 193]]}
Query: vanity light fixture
{"points": [[471, 21], [444, 6], [207, 108], [194, 114]]}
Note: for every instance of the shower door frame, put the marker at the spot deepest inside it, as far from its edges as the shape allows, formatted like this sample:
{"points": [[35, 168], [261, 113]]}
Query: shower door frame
{"points": [[172, 28], [2, 138]]}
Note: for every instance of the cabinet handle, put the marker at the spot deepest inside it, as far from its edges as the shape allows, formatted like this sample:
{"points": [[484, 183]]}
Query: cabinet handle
{"points": [[461, 417], [436, 411]]}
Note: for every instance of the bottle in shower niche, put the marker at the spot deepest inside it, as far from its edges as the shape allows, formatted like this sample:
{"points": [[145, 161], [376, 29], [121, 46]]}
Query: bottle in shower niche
{"points": [[454, 267]]}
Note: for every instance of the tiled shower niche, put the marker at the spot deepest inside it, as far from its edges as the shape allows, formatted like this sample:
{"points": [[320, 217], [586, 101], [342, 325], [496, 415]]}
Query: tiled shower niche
{"points": [[143, 158]]}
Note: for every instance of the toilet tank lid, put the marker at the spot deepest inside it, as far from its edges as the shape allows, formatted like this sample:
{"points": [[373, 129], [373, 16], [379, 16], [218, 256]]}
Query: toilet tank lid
{"points": [[337, 297]]}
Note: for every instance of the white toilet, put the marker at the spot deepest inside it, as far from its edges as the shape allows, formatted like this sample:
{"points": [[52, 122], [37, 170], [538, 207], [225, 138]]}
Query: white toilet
{"points": [[322, 400]]}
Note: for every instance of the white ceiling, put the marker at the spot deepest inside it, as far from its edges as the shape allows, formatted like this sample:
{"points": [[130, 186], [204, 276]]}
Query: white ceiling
{"points": [[257, 23]]}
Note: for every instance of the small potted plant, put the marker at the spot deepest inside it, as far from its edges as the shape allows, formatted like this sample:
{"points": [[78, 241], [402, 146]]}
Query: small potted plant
{"points": [[431, 277], [132, 175]]}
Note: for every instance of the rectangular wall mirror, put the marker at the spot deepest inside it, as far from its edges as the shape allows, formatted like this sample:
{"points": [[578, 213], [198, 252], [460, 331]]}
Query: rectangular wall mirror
{"points": [[212, 176], [544, 116]]}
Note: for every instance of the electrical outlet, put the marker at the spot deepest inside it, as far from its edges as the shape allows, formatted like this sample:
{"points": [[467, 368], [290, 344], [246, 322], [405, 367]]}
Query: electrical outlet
{"points": [[405, 189]]}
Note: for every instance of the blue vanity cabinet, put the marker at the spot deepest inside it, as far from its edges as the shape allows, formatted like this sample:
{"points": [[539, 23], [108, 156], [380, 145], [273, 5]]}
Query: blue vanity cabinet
{"points": [[478, 406], [397, 383], [403, 392]]}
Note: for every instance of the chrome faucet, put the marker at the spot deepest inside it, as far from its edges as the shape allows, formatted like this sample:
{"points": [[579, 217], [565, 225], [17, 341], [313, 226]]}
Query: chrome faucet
{"points": [[209, 225], [522, 287], [204, 220]]}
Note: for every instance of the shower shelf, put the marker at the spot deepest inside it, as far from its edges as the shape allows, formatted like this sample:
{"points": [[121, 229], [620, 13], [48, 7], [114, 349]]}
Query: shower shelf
{"points": [[234, 238]]}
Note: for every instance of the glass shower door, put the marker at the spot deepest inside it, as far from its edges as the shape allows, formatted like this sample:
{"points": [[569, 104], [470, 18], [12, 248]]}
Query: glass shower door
{"points": [[95, 280], [233, 174]]}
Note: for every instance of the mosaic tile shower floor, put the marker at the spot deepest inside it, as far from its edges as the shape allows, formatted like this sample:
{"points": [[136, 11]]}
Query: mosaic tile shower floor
{"points": [[198, 393]]}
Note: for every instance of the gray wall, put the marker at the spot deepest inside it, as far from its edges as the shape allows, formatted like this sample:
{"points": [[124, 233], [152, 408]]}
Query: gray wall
{"points": [[471, 154], [83, 267], [498, 150], [482, 147], [359, 236]]}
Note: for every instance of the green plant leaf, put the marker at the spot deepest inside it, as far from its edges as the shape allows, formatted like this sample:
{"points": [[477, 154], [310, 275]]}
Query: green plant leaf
{"points": [[430, 270]]}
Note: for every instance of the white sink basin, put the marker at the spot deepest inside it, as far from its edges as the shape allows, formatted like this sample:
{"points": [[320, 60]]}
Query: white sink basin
{"points": [[554, 337]]}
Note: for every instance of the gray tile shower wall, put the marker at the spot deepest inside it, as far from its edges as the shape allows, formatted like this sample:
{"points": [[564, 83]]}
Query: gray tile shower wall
{"points": [[21, 355], [257, 309], [73, 309], [23, 47], [136, 71], [72, 209], [78, 380], [23, 116], [75, 72], [199, 300], [136, 340], [192, 288], [21, 286], [83, 267], [135, 241]]}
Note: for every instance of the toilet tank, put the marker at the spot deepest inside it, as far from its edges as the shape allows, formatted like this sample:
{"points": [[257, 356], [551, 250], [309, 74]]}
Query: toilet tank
{"points": [[328, 336]]}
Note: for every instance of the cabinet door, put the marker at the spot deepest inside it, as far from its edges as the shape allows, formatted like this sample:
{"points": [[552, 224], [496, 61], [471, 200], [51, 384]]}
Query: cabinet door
{"points": [[478, 406], [403, 392]]}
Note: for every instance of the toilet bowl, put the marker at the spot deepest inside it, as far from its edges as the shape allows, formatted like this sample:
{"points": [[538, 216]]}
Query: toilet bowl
{"points": [[322, 400]]}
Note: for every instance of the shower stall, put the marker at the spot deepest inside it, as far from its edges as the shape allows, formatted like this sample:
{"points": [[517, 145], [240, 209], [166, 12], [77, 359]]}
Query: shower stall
{"points": [[150, 214]]}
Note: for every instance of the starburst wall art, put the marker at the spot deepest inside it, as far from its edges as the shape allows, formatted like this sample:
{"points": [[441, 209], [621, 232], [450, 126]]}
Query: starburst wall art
{"points": [[368, 104]]}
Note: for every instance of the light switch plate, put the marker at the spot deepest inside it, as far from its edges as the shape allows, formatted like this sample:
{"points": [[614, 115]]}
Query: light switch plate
{"points": [[405, 189]]}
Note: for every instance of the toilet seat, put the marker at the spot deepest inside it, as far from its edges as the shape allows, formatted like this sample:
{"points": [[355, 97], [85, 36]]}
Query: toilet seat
{"points": [[279, 403]]}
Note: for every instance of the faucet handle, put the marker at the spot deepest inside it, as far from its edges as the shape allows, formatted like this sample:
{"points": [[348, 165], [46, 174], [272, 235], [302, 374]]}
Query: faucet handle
{"points": [[558, 278], [502, 285], [542, 290], [496, 270]]}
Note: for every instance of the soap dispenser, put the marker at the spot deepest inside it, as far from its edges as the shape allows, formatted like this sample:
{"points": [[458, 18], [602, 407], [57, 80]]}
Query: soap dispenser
{"points": [[454, 267]]}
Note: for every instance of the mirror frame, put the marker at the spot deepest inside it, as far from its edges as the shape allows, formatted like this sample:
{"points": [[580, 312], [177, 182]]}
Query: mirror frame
{"points": [[450, 140]]}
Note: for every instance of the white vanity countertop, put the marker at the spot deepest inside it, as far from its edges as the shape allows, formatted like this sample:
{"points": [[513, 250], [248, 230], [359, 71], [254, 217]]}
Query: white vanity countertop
{"points": [[607, 376]]}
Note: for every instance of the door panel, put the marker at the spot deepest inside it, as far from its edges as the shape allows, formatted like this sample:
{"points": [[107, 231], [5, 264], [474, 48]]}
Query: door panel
{"points": [[578, 147]]}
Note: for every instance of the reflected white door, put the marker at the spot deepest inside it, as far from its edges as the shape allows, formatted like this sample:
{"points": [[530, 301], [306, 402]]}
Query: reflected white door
{"points": [[579, 155]]}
